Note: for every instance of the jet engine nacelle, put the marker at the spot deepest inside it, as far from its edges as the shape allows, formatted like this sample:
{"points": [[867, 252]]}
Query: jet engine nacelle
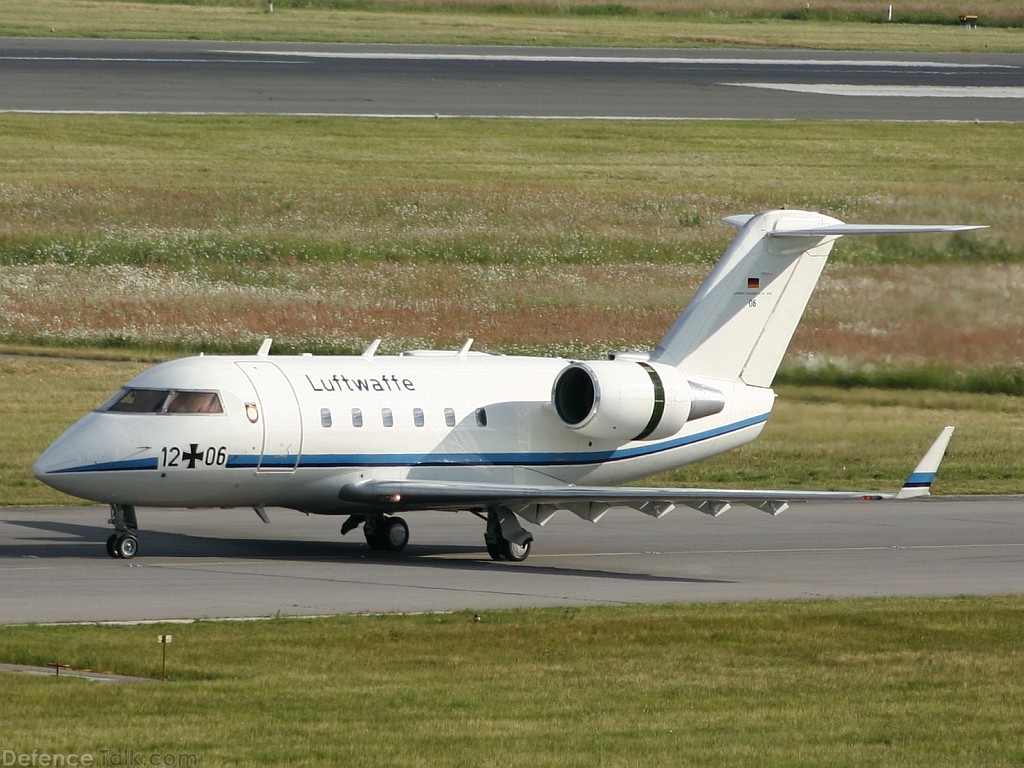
{"points": [[629, 400]]}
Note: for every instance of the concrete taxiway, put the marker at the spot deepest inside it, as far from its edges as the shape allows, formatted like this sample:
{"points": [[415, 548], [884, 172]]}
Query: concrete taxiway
{"points": [[226, 563]]}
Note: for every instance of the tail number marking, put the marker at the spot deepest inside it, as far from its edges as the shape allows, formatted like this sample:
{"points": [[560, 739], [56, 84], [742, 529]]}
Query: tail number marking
{"points": [[194, 456]]}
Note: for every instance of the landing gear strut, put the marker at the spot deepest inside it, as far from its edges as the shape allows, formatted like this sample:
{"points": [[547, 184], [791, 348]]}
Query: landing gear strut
{"points": [[122, 542], [505, 538]]}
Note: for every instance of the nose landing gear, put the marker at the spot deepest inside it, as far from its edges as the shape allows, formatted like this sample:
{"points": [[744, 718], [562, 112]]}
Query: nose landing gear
{"points": [[122, 543]]}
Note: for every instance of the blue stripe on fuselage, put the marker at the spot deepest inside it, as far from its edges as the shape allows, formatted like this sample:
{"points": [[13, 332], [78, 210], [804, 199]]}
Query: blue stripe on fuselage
{"points": [[252, 461], [111, 466], [488, 459]]}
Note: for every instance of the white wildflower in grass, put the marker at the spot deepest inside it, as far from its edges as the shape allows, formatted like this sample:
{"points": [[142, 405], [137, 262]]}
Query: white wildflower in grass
{"points": [[864, 315]]}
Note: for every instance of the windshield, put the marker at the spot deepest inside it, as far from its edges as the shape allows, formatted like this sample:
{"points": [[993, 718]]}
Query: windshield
{"points": [[131, 400]]}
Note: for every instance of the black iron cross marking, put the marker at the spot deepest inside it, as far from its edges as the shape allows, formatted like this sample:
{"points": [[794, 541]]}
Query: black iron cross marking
{"points": [[193, 456]]}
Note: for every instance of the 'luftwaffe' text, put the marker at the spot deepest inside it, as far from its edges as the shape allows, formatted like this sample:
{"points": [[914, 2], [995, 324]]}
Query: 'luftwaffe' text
{"points": [[337, 383]]}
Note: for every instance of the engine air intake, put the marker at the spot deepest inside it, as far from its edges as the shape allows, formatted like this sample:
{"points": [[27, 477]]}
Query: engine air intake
{"points": [[630, 400]]}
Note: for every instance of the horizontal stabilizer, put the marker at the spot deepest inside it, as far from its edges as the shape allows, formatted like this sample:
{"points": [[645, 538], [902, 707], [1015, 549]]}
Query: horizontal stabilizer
{"points": [[740, 220], [872, 229]]}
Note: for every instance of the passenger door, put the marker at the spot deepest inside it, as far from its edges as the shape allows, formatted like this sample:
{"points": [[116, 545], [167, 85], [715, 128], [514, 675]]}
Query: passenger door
{"points": [[279, 413]]}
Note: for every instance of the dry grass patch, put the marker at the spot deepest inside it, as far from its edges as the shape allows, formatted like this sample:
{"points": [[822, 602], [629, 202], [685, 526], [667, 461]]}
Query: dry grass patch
{"points": [[861, 316]]}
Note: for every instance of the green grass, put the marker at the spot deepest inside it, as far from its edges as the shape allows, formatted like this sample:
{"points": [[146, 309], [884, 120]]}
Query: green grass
{"points": [[868, 683], [193, 191], [837, 25], [870, 438], [41, 398]]}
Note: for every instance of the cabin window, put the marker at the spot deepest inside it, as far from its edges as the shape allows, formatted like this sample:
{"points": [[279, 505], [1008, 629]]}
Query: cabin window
{"points": [[449, 417], [417, 417], [357, 417], [387, 417], [325, 418], [481, 417], [132, 400]]}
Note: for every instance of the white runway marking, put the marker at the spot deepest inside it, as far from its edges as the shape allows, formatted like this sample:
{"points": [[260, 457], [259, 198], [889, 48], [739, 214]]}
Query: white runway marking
{"points": [[595, 59], [289, 57], [894, 91], [140, 60]]}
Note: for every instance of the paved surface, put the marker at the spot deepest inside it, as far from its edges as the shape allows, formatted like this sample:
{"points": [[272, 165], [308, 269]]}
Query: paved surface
{"points": [[290, 78], [81, 674], [194, 564]]}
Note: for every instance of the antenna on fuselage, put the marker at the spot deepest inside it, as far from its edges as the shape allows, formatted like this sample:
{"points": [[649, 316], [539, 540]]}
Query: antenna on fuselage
{"points": [[371, 350], [264, 350], [464, 349]]}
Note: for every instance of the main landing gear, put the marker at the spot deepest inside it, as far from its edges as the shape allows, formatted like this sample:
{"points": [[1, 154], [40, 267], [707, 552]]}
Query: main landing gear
{"points": [[505, 538], [383, 533], [122, 542]]}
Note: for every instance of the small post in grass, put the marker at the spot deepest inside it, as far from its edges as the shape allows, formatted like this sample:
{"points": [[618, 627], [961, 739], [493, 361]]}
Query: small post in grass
{"points": [[164, 641]]}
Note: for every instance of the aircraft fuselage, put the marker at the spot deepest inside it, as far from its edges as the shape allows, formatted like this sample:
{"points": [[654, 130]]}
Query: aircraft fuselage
{"points": [[290, 431]]}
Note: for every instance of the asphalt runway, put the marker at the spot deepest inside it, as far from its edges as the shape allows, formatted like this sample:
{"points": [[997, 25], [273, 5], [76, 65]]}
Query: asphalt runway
{"points": [[200, 77], [216, 563]]}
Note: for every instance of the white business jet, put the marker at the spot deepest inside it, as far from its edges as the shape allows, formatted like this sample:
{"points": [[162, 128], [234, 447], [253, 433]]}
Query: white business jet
{"points": [[510, 439]]}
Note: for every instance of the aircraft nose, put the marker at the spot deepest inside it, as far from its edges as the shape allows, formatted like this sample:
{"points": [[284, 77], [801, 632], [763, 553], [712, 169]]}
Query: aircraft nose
{"points": [[64, 454], [69, 464]]}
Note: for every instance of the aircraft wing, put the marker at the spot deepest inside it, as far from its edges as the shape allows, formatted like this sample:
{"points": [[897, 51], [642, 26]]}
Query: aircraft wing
{"points": [[538, 503]]}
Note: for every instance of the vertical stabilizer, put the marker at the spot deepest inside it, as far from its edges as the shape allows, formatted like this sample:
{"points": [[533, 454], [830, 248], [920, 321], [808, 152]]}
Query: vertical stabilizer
{"points": [[739, 323]]}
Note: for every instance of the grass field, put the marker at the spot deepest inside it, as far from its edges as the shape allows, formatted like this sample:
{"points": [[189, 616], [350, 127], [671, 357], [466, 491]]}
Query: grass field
{"points": [[831, 24], [566, 238], [867, 683]]}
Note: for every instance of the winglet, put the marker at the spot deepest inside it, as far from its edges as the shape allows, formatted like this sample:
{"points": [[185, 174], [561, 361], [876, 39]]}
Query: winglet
{"points": [[920, 481]]}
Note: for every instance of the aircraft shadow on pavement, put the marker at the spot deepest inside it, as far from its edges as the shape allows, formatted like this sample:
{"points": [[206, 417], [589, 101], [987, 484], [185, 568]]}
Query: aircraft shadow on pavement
{"points": [[69, 540]]}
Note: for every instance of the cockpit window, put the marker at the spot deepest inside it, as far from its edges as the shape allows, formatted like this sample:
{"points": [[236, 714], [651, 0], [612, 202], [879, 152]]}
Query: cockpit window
{"points": [[194, 402], [140, 401], [164, 401]]}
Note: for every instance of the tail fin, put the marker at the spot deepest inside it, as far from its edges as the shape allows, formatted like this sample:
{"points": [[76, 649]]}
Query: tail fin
{"points": [[740, 322]]}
